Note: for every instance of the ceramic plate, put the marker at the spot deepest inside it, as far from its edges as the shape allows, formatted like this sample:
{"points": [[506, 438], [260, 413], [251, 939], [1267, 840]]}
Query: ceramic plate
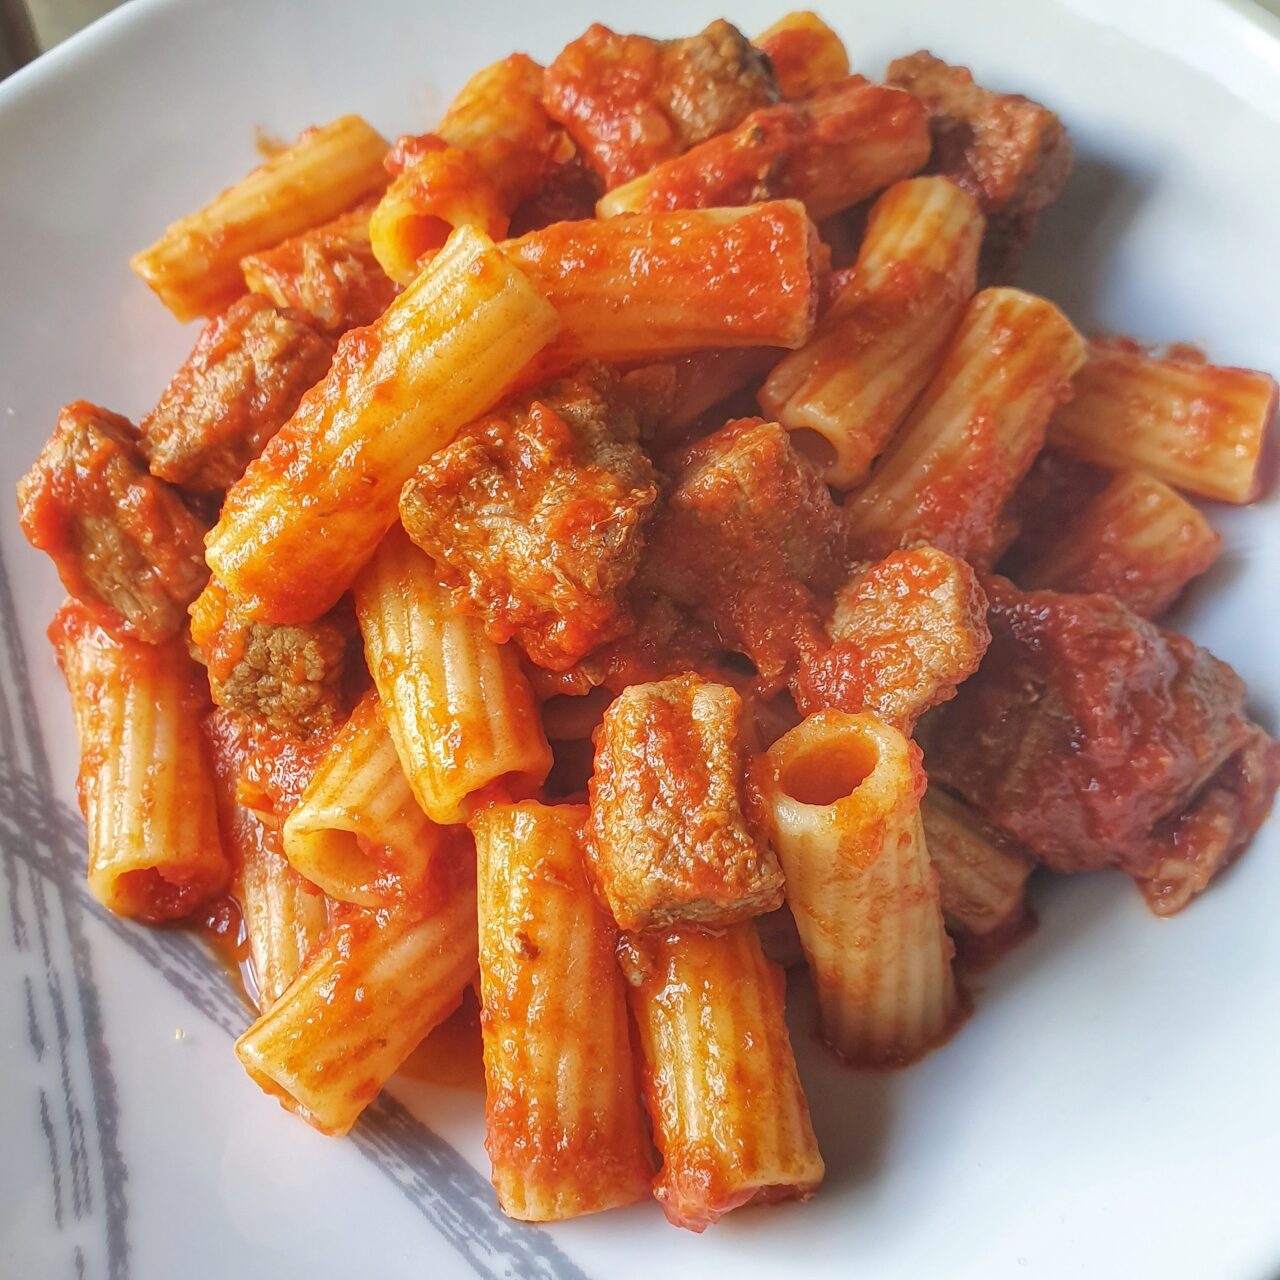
{"points": [[1111, 1108]]}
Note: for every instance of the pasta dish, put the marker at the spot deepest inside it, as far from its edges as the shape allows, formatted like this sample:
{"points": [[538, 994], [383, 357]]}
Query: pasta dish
{"points": [[622, 544]]}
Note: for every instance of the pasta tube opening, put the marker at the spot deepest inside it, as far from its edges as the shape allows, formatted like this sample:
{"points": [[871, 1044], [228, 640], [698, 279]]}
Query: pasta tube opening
{"points": [[842, 793]]}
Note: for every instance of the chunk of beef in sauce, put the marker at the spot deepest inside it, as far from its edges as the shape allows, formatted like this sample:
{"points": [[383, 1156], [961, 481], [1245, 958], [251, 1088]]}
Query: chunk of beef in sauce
{"points": [[1012, 154], [1186, 851], [536, 512], [747, 537], [124, 543], [327, 275], [666, 639], [669, 840], [630, 102], [1084, 727], [291, 677], [238, 387], [906, 633]]}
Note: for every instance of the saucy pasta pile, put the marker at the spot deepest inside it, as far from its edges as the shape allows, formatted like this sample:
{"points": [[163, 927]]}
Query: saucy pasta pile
{"points": [[574, 537]]}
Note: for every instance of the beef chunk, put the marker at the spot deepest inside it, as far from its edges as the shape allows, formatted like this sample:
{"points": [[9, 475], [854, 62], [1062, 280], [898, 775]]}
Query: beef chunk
{"points": [[239, 386], [1185, 852], [1010, 153], [712, 81], [536, 512], [124, 543], [747, 535], [1084, 727], [327, 275], [630, 102], [906, 633], [665, 639], [668, 838], [291, 677]]}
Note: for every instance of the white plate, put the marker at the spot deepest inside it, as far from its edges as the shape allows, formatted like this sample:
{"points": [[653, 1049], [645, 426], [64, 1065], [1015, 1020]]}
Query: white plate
{"points": [[1110, 1110]]}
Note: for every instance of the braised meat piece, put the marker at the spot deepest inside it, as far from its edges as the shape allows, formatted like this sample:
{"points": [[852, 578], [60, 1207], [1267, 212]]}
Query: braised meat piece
{"points": [[906, 632], [630, 102], [1084, 727], [328, 274], [1012, 154], [291, 677], [1185, 852], [747, 536], [668, 838], [238, 387], [536, 513], [124, 543]]}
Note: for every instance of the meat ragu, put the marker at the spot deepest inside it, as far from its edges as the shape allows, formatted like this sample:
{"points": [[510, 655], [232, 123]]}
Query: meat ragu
{"points": [[630, 102], [240, 384], [291, 677], [123, 541], [533, 662], [537, 512], [749, 537], [905, 633], [1010, 152], [1084, 728]]}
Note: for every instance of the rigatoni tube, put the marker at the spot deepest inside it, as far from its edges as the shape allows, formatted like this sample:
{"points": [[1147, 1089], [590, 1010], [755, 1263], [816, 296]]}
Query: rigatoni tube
{"points": [[842, 793], [982, 876], [566, 1131], [443, 189], [1137, 540], [308, 513], [357, 832], [284, 915], [664, 284], [840, 145], [195, 266], [365, 999], [1196, 426], [729, 1115], [973, 433], [804, 52], [459, 708], [845, 392], [145, 782]]}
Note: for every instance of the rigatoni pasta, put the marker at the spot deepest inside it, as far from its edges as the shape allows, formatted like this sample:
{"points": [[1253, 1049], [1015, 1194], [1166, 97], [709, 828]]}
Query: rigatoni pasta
{"points": [[974, 432], [1136, 540], [730, 1119], [357, 832], [566, 1132], [146, 787], [845, 392], [195, 266], [843, 797], [663, 284], [295, 530], [460, 710], [486, 155], [1194, 425], [444, 188], [840, 145], [366, 997], [806, 54], [982, 877], [282, 914]]}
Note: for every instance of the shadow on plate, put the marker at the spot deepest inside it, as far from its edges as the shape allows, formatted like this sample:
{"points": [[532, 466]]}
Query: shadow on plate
{"points": [[1072, 257]]}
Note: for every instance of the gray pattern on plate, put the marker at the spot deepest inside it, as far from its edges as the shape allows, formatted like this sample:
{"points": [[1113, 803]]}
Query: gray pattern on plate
{"points": [[41, 852]]}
